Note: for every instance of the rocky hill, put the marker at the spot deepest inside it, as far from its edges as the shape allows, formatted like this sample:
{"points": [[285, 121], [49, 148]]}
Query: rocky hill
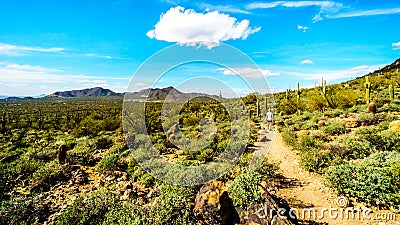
{"points": [[89, 92]]}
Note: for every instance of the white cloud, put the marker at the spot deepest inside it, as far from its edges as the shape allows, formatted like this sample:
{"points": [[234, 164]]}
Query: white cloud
{"points": [[396, 46], [14, 50], [34, 79], [302, 28], [307, 61], [223, 8], [249, 72], [331, 75], [373, 12], [317, 18], [293, 4], [188, 27], [324, 6], [104, 56]]}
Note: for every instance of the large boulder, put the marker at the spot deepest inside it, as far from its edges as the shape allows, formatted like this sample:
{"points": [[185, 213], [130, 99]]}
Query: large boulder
{"points": [[214, 206]]}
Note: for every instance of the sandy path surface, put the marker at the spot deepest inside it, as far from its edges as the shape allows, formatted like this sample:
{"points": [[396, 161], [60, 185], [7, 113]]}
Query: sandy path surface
{"points": [[305, 190]]}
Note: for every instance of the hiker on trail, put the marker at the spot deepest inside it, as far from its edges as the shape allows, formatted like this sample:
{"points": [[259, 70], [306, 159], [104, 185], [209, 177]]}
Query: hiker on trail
{"points": [[270, 117]]}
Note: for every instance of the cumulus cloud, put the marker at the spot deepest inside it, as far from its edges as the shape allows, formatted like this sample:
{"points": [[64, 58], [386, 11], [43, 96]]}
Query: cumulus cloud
{"points": [[306, 62], [396, 46], [15, 50], [302, 28], [249, 72], [188, 27]]}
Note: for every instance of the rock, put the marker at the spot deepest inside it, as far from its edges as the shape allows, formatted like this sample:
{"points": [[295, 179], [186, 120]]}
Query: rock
{"points": [[395, 126], [266, 212], [207, 203], [264, 139], [79, 177]]}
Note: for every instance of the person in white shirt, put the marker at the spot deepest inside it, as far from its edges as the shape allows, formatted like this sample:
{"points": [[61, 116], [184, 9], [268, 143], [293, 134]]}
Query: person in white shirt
{"points": [[270, 117]]}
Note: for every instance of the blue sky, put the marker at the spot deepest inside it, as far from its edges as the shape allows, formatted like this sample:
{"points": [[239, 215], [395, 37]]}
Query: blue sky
{"points": [[46, 46]]}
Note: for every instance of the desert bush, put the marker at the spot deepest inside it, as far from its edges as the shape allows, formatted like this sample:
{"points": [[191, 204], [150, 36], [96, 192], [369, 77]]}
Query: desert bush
{"points": [[390, 140], [172, 207], [315, 160], [333, 113], [288, 106], [89, 210], [48, 175], [82, 153], [346, 98], [375, 180], [315, 101], [103, 143], [108, 163], [334, 128], [244, 189], [353, 147], [267, 169], [23, 210], [289, 137]]}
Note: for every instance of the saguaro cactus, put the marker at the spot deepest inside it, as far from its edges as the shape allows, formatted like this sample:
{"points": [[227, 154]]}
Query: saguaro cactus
{"points": [[323, 91], [266, 104], [258, 107], [391, 91], [298, 92], [287, 93], [367, 90]]}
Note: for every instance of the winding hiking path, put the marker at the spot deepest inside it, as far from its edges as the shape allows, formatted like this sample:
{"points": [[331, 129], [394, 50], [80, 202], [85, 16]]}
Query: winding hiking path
{"points": [[305, 190]]}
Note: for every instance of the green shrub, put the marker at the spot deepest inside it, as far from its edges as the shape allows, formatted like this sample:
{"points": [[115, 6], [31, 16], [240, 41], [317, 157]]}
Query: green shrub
{"points": [[315, 160], [244, 189], [289, 137], [23, 210], [334, 128], [288, 106], [89, 210], [82, 153], [147, 179], [375, 180], [108, 163], [48, 175]]}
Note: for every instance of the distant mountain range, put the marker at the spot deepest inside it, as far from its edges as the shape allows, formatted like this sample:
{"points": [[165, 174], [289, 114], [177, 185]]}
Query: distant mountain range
{"points": [[150, 94]]}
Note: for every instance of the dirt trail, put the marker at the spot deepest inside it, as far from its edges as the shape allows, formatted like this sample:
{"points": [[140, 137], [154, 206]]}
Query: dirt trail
{"points": [[302, 189]]}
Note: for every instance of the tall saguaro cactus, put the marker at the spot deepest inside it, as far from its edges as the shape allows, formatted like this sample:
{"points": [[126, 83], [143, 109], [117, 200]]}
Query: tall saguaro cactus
{"points": [[298, 92], [324, 87], [287, 93], [391, 91], [266, 104], [367, 90]]}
